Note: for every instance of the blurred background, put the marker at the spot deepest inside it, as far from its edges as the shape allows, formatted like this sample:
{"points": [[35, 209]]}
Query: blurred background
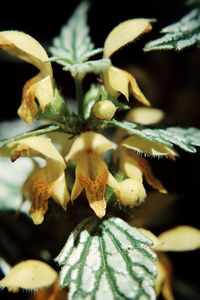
{"points": [[169, 79]]}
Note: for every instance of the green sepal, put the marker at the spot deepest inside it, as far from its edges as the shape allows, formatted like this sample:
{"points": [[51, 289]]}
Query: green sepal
{"points": [[56, 110]]}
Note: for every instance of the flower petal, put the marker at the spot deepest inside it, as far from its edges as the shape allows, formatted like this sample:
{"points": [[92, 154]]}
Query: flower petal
{"points": [[92, 175], [46, 182], [125, 33], [117, 80], [145, 115], [23, 46], [181, 238], [36, 188], [129, 166], [151, 236], [40, 145], [90, 142], [163, 282], [148, 174], [41, 86], [142, 145], [30, 275], [135, 166]]}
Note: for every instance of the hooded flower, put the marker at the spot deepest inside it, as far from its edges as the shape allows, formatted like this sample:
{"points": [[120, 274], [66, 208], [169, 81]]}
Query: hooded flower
{"points": [[115, 79], [92, 173], [45, 182], [40, 86], [135, 167], [30, 275], [130, 149], [180, 238]]}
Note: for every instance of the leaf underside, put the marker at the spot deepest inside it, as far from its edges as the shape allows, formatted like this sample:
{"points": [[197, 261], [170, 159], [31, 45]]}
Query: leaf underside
{"points": [[107, 259], [182, 34], [185, 138]]}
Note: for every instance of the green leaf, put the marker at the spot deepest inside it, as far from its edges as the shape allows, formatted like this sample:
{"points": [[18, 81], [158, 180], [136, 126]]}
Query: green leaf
{"points": [[107, 259], [40, 131], [184, 33], [130, 126], [93, 66], [185, 138], [56, 111], [74, 41], [73, 47]]}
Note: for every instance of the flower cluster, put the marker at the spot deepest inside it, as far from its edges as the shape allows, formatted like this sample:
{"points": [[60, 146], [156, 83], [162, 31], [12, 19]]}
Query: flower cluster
{"points": [[92, 150], [87, 149]]}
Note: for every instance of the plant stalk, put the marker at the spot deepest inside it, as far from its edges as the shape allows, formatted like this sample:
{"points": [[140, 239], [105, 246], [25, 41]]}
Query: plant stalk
{"points": [[79, 96]]}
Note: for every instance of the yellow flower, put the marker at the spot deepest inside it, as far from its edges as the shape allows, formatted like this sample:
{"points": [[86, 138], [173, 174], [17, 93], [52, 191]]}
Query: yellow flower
{"points": [[29, 275], [131, 163], [135, 167], [92, 173], [180, 238], [45, 182], [40, 86], [91, 170], [115, 79]]}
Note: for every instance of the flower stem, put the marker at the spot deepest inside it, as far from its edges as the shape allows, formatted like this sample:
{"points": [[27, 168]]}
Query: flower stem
{"points": [[79, 95]]}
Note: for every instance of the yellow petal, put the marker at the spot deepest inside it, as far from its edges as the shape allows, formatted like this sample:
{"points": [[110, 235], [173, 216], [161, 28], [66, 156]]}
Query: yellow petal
{"points": [[77, 187], [36, 187], [129, 166], [30, 275], [134, 166], [125, 33], [23, 46], [92, 175], [151, 236], [46, 182], [145, 115], [181, 238], [163, 282], [90, 142], [148, 174], [142, 145], [58, 190], [117, 80], [95, 190], [41, 86], [41, 146]]}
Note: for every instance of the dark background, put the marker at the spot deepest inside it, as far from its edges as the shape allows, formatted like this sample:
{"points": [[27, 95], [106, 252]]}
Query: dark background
{"points": [[169, 79]]}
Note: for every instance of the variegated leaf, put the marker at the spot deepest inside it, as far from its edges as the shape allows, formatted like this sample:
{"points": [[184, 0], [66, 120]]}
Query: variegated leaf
{"points": [[182, 34], [107, 259], [185, 138]]}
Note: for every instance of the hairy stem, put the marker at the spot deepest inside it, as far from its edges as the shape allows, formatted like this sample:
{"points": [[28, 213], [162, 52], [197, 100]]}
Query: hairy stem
{"points": [[79, 96]]}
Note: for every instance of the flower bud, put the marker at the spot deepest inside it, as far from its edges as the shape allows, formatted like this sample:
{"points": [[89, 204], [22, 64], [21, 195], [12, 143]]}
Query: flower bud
{"points": [[104, 110], [131, 192]]}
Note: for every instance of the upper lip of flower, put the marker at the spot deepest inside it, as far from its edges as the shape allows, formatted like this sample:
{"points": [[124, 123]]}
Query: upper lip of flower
{"points": [[115, 79]]}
